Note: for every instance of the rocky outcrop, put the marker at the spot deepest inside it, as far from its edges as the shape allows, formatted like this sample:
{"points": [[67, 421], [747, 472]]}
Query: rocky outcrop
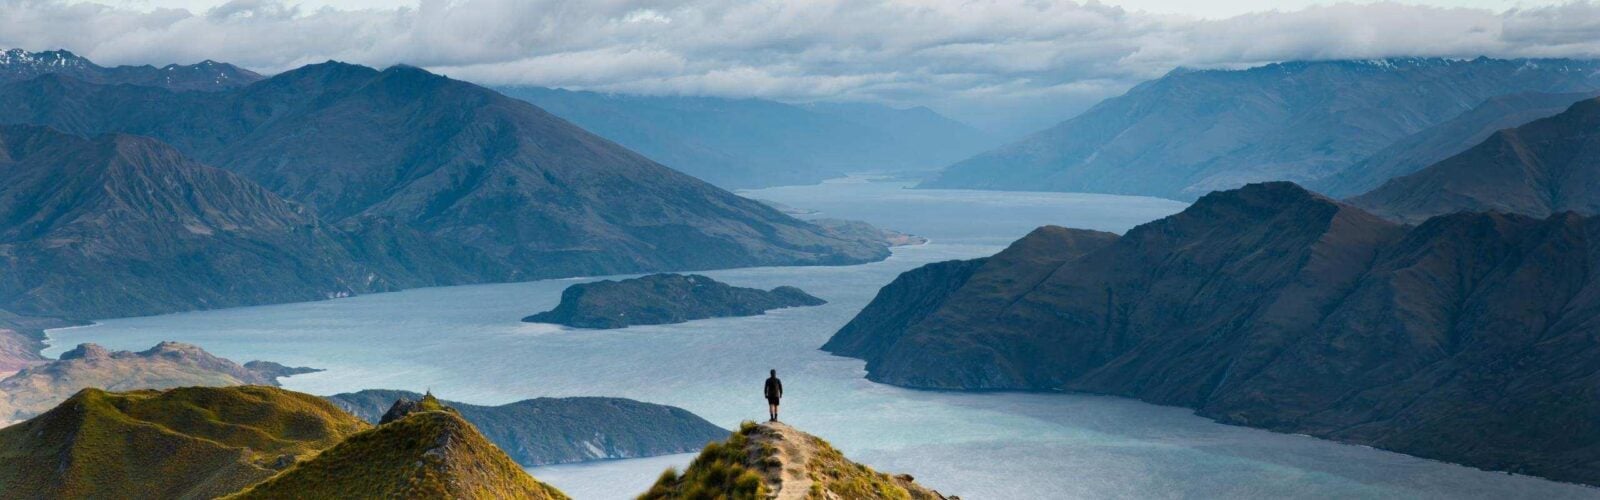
{"points": [[167, 365], [192, 442], [547, 431], [664, 298], [1542, 168], [774, 460], [1466, 338], [1195, 131]]}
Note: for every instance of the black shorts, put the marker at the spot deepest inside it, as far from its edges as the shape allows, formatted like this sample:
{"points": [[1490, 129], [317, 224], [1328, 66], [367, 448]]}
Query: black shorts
{"points": [[772, 401]]}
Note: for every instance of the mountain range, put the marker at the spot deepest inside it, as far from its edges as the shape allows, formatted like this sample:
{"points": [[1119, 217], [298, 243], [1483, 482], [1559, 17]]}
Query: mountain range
{"points": [[18, 64], [1539, 169], [1466, 338], [334, 179], [749, 143], [1195, 131]]}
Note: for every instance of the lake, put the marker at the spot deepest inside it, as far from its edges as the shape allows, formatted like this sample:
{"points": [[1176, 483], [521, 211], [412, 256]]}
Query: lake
{"points": [[466, 344]]}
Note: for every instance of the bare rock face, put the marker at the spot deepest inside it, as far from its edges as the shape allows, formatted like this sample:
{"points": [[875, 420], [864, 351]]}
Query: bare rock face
{"points": [[664, 298], [1467, 338]]}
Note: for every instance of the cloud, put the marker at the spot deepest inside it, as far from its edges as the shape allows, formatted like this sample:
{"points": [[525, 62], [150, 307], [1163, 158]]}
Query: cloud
{"points": [[972, 56]]}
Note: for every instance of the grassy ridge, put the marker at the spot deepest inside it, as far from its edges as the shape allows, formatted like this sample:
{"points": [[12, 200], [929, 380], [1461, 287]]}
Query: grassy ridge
{"points": [[430, 453], [759, 461], [195, 442]]}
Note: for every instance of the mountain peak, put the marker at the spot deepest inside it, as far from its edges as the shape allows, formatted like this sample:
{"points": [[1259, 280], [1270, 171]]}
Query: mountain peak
{"points": [[87, 351], [774, 460], [430, 454]]}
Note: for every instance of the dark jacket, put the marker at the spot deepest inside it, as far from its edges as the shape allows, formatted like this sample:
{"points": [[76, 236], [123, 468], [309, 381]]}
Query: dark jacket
{"points": [[774, 388]]}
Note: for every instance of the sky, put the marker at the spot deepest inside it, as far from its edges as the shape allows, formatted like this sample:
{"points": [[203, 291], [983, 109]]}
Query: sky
{"points": [[1005, 65]]}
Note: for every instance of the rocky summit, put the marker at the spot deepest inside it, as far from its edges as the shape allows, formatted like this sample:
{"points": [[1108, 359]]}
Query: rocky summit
{"points": [[1465, 338], [664, 298]]}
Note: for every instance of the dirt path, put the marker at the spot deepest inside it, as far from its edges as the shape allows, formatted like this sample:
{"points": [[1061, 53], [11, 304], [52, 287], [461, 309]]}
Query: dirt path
{"points": [[794, 452]]}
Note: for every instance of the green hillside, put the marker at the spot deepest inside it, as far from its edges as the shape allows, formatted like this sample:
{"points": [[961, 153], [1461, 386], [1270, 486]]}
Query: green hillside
{"points": [[195, 442], [429, 453]]}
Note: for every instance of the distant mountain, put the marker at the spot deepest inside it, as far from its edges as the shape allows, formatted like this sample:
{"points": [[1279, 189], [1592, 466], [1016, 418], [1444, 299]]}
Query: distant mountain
{"points": [[1545, 167], [563, 430], [169, 364], [660, 299], [18, 64], [21, 339], [123, 225], [1192, 132], [1466, 338], [1444, 140], [396, 178], [194, 442], [968, 290], [774, 460], [430, 452], [747, 143]]}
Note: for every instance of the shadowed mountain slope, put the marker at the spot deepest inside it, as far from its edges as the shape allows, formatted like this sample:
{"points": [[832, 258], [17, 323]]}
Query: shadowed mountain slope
{"points": [[1467, 338], [1444, 140], [1545, 167]]}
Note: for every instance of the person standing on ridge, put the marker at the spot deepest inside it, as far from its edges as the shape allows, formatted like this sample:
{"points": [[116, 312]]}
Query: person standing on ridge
{"points": [[774, 391]]}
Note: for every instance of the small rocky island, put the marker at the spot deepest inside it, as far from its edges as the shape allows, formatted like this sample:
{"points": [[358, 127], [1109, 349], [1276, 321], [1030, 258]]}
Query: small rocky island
{"points": [[660, 299]]}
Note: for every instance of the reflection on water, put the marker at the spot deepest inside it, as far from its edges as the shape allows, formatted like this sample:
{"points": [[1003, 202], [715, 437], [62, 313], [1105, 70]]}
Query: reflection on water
{"points": [[465, 343]]}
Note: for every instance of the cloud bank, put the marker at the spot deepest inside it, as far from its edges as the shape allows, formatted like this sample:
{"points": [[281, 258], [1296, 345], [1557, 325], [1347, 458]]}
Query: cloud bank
{"points": [[1024, 62]]}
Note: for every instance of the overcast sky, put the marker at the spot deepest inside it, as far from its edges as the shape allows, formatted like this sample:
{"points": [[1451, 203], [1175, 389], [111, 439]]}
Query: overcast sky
{"points": [[1004, 64]]}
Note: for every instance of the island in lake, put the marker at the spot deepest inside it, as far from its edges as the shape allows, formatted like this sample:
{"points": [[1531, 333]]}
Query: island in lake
{"points": [[660, 299]]}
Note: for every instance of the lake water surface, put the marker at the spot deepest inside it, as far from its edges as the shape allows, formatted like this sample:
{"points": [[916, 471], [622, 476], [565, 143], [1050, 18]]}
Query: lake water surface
{"points": [[466, 344]]}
